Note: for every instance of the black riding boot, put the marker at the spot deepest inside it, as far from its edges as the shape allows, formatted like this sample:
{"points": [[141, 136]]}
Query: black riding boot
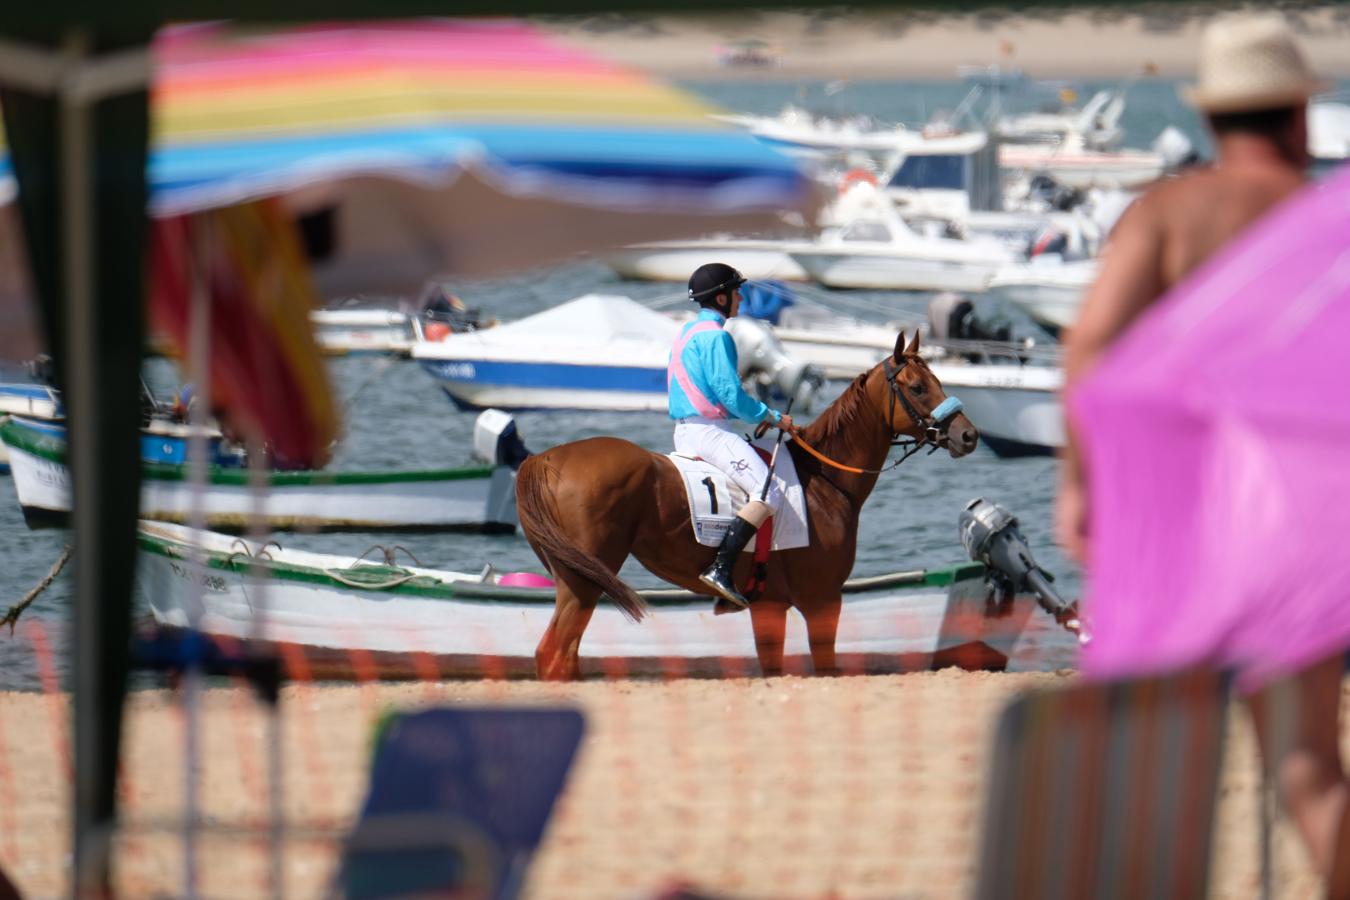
{"points": [[719, 574]]}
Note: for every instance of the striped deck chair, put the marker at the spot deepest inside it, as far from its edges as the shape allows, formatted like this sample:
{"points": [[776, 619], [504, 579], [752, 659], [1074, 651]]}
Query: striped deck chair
{"points": [[1105, 791], [458, 802]]}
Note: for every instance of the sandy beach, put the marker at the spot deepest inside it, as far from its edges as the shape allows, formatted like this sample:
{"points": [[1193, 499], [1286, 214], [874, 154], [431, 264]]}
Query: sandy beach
{"points": [[1146, 39], [787, 787]]}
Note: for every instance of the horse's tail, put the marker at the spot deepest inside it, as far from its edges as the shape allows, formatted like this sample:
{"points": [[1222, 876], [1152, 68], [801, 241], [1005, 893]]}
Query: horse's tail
{"points": [[538, 517]]}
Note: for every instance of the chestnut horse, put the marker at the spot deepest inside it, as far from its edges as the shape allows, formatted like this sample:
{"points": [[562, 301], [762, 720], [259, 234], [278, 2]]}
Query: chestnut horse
{"points": [[585, 506]]}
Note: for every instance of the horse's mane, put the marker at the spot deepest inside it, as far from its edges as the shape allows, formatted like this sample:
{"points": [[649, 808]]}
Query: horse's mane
{"points": [[838, 419]]}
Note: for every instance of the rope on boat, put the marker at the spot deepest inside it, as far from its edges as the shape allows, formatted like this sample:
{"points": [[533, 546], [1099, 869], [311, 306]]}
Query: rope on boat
{"points": [[389, 560], [12, 617], [389, 555], [336, 575]]}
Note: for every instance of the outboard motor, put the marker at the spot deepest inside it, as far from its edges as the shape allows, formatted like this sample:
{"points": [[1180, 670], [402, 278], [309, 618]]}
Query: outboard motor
{"points": [[496, 440], [1053, 194], [761, 354], [991, 536], [951, 317]]}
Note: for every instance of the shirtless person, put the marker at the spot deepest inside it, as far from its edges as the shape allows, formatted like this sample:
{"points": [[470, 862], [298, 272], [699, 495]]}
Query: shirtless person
{"points": [[1253, 88]]}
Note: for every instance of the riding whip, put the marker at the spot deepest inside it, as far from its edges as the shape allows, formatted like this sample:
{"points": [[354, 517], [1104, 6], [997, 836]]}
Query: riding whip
{"points": [[773, 458]]}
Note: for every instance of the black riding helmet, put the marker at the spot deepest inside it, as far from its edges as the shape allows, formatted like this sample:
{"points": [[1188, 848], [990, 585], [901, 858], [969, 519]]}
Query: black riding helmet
{"points": [[712, 279]]}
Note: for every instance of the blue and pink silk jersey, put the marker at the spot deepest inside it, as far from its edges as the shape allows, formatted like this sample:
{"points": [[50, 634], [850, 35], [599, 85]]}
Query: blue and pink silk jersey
{"points": [[702, 375]]}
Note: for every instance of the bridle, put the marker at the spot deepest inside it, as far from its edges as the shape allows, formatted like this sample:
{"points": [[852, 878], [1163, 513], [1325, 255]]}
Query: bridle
{"points": [[932, 427]]}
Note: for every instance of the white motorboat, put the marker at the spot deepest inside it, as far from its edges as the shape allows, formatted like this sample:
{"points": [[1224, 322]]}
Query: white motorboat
{"points": [[344, 331], [471, 498], [482, 624], [877, 250], [1015, 407], [755, 258], [838, 346], [1047, 288], [594, 352], [1098, 123], [802, 132], [1071, 163]]}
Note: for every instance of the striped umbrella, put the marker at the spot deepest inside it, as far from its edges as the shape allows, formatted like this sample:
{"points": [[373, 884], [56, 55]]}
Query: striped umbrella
{"points": [[457, 146], [393, 152]]}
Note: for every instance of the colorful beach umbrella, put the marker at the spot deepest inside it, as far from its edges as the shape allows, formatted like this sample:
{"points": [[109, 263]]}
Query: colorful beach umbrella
{"points": [[1217, 435], [427, 147], [397, 151]]}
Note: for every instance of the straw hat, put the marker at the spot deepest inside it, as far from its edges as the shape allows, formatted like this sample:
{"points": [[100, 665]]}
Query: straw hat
{"points": [[1250, 63]]}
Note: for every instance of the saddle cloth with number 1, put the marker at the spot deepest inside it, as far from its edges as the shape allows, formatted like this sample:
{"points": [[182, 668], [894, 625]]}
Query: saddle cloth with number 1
{"points": [[714, 500]]}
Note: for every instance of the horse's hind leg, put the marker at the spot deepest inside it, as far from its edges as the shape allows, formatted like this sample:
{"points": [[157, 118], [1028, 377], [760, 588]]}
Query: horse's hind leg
{"points": [[769, 620], [558, 656], [822, 626]]}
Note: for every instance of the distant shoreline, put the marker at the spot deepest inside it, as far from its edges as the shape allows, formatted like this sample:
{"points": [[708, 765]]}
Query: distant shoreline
{"points": [[914, 44]]}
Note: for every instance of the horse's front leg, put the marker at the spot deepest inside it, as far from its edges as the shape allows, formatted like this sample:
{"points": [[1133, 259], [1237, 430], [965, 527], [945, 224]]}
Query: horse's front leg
{"points": [[769, 620], [822, 626], [558, 656]]}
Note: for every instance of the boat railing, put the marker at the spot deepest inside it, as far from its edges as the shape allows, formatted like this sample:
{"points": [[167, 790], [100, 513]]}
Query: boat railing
{"points": [[1000, 352]]}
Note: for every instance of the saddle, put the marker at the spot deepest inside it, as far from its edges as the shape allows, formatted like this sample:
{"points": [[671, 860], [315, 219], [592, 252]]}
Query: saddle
{"points": [[714, 500]]}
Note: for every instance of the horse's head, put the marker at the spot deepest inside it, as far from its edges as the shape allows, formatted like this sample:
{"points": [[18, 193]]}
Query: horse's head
{"points": [[916, 405]]}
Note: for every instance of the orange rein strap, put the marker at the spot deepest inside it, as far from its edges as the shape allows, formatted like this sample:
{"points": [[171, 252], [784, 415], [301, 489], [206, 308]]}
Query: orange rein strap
{"points": [[797, 436]]}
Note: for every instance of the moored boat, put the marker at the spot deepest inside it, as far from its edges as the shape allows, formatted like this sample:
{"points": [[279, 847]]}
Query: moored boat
{"points": [[1015, 407], [1048, 289], [594, 352], [400, 618], [472, 498], [755, 258], [340, 332]]}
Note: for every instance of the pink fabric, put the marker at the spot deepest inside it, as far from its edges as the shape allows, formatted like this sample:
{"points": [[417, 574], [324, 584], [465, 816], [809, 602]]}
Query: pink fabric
{"points": [[677, 372], [1217, 435], [525, 579]]}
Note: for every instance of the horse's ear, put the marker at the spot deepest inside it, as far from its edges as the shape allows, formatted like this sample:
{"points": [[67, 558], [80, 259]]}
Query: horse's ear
{"points": [[913, 348], [899, 351]]}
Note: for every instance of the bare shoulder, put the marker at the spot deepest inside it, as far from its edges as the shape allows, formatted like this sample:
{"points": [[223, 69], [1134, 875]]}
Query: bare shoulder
{"points": [[1191, 188]]}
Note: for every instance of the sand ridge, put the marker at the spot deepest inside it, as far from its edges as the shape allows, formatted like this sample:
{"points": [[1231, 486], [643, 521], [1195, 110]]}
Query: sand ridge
{"points": [[1109, 42]]}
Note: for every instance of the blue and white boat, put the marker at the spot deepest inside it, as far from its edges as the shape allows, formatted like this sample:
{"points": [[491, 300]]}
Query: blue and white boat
{"points": [[594, 352], [162, 440]]}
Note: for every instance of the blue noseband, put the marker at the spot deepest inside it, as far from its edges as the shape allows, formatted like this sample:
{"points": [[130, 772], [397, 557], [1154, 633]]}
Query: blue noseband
{"points": [[946, 410]]}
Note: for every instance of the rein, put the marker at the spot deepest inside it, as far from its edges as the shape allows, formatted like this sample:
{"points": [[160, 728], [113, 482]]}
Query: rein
{"points": [[931, 426]]}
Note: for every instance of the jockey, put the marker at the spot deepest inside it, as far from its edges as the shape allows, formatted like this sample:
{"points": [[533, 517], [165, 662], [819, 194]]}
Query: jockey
{"points": [[706, 396]]}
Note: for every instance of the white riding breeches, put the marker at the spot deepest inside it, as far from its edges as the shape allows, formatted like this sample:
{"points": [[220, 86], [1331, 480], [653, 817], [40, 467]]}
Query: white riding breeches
{"points": [[716, 441]]}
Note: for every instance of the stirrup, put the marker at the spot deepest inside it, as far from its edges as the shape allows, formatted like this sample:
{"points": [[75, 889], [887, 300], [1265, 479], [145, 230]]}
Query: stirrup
{"points": [[728, 595]]}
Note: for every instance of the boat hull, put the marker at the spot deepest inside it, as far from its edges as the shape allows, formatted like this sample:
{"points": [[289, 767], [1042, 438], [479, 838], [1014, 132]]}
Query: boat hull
{"points": [[1084, 170], [474, 384], [675, 262], [890, 272], [470, 499], [1016, 408], [1053, 306], [441, 624], [346, 332]]}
